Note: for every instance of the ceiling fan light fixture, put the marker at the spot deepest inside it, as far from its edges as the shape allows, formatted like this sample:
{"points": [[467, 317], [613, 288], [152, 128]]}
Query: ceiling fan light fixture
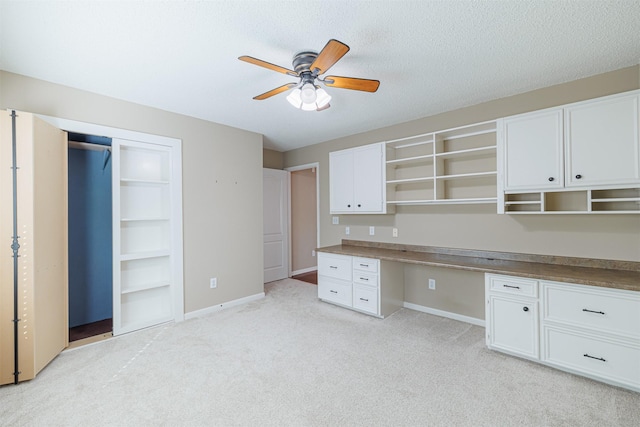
{"points": [[294, 98], [308, 93], [322, 98]]}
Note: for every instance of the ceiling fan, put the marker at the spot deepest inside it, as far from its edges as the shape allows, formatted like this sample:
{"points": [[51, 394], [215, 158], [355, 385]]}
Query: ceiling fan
{"points": [[308, 66]]}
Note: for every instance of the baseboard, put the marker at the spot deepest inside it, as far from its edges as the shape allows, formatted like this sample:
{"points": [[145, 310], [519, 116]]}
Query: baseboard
{"points": [[447, 314], [304, 270], [216, 308]]}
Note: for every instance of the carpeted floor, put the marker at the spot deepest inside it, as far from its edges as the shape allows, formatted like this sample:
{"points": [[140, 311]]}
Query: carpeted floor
{"points": [[291, 360]]}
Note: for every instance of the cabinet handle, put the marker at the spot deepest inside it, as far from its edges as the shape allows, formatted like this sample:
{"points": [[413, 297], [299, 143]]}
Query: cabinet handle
{"points": [[364, 278], [551, 179], [578, 176], [525, 308], [592, 311], [333, 292], [333, 266], [364, 265], [593, 357], [511, 286], [364, 299]]}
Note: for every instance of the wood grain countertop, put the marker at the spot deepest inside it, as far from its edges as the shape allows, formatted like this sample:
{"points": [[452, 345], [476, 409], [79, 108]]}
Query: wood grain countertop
{"points": [[585, 271]]}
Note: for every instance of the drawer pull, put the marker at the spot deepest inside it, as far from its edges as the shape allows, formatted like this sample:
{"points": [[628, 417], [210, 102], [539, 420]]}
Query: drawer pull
{"points": [[364, 299], [591, 311], [364, 265], [333, 266], [593, 357], [364, 278], [525, 308], [333, 292], [511, 286]]}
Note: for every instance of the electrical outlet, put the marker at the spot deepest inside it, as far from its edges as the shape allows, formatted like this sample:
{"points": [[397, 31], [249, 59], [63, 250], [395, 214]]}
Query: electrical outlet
{"points": [[432, 284], [313, 252], [335, 220], [395, 232], [213, 282], [372, 231], [347, 230]]}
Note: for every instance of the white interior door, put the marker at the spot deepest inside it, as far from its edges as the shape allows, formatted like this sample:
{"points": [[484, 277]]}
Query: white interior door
{"points": [[276, 223]]}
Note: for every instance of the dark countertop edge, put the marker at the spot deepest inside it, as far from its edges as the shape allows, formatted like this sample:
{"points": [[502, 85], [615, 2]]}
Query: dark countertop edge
{"points": [[600, 277]]}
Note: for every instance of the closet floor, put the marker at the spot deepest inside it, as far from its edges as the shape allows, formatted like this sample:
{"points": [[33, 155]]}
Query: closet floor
{"points": [[90, 330]]}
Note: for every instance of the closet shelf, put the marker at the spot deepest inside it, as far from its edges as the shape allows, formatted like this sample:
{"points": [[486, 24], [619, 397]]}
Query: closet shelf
{"points": [[145, 287], [145, 255]]}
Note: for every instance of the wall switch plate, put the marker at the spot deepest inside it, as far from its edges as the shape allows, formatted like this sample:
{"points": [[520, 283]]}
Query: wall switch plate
{"points": [[335, 220], [432, 284], [213, 282], [395, 232], [313, 252], [372, 231], [347, 230]]}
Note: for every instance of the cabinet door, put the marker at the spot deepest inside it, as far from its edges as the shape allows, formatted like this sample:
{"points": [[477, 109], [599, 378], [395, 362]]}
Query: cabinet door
{"points": [[513, 326], [533, 151], [368, 179], [341, 181], [602, 145]]}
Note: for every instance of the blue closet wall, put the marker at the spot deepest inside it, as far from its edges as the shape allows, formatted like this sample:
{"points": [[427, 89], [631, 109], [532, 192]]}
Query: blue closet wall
{"points": [[90, 240]]}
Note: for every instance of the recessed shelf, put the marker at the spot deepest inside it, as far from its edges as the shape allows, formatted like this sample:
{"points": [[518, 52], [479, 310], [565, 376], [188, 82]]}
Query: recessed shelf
{"points": [[145, 255], [407, 160], [410, 180], [145, 287]]}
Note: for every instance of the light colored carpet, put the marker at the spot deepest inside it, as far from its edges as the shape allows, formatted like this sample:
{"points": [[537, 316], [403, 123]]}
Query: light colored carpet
{"points": [[291, 360]]}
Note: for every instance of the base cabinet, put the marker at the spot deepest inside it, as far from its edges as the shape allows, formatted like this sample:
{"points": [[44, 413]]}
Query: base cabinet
{"points": [[366, 285], [585, 330]]}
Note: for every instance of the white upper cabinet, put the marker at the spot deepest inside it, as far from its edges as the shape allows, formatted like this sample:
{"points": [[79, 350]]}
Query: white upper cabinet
{"points": [[357, 180], [601, 142], [533, 150]]}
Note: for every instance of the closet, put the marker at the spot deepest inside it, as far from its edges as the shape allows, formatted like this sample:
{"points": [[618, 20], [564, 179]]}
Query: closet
{"points": [[36, 233]]}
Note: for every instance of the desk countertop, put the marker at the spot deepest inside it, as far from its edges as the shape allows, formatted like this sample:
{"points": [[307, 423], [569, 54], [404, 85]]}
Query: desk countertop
{"points": [[603, 273]]}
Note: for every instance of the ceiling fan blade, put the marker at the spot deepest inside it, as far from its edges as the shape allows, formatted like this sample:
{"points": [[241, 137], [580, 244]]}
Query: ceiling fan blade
{"points": [[275, 91], [265, 64], [353, 83], [329, 55]]}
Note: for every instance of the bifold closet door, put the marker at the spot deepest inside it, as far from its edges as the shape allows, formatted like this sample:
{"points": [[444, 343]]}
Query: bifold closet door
{"points": [[147, 245], [42, 230]]}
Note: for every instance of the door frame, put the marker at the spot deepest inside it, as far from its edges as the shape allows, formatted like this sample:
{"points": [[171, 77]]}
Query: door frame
{"points": [[315, 165], [117, 133]]}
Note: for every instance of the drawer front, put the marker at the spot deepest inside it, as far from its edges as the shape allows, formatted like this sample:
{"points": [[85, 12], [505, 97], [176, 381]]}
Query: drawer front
{"points": [[365, 298], [333, 265], [335, 290], [592, 355], [365, 278], [513, 285], [605, 310], [365, 264]]}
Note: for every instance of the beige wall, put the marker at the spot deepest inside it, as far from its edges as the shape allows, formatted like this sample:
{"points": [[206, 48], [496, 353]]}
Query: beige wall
{"points": [[272, 159], [478, 226], [303, 219], [222, 201]]}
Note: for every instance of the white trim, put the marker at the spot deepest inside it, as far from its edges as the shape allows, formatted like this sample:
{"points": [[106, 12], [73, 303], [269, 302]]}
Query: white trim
{"points": [[447, 314], [315, 165], [219, 307], [304, 270]]}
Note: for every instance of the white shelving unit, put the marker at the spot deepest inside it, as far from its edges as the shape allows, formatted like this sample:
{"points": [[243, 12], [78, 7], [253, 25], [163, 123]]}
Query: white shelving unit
{"points": [[144, 242], [446, 167]]}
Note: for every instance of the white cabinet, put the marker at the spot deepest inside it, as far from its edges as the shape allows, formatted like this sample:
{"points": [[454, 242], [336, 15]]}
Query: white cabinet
{"points": [[601, 142], [533, 151], [356, 180], [577, 158], [363, 284], [586, 330], [512, 315]]}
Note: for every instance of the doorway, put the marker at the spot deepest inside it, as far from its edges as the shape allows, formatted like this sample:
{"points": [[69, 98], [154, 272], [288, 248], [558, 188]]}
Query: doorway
{"points": [[90, 237], [303, 222]]}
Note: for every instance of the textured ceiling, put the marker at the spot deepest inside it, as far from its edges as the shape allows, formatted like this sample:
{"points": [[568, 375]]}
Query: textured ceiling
{"points": [[430, 56]]}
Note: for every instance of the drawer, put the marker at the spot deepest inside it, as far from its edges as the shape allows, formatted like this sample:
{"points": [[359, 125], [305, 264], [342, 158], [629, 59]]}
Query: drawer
{"points": [[365, 278], [335, 290], [512, 285], [365, 264], [333, 265], [365, 298], [605, 310], [592, 355]]}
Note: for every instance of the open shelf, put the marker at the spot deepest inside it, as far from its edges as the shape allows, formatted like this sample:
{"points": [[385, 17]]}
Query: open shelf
{"points": [[454, 166]]}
